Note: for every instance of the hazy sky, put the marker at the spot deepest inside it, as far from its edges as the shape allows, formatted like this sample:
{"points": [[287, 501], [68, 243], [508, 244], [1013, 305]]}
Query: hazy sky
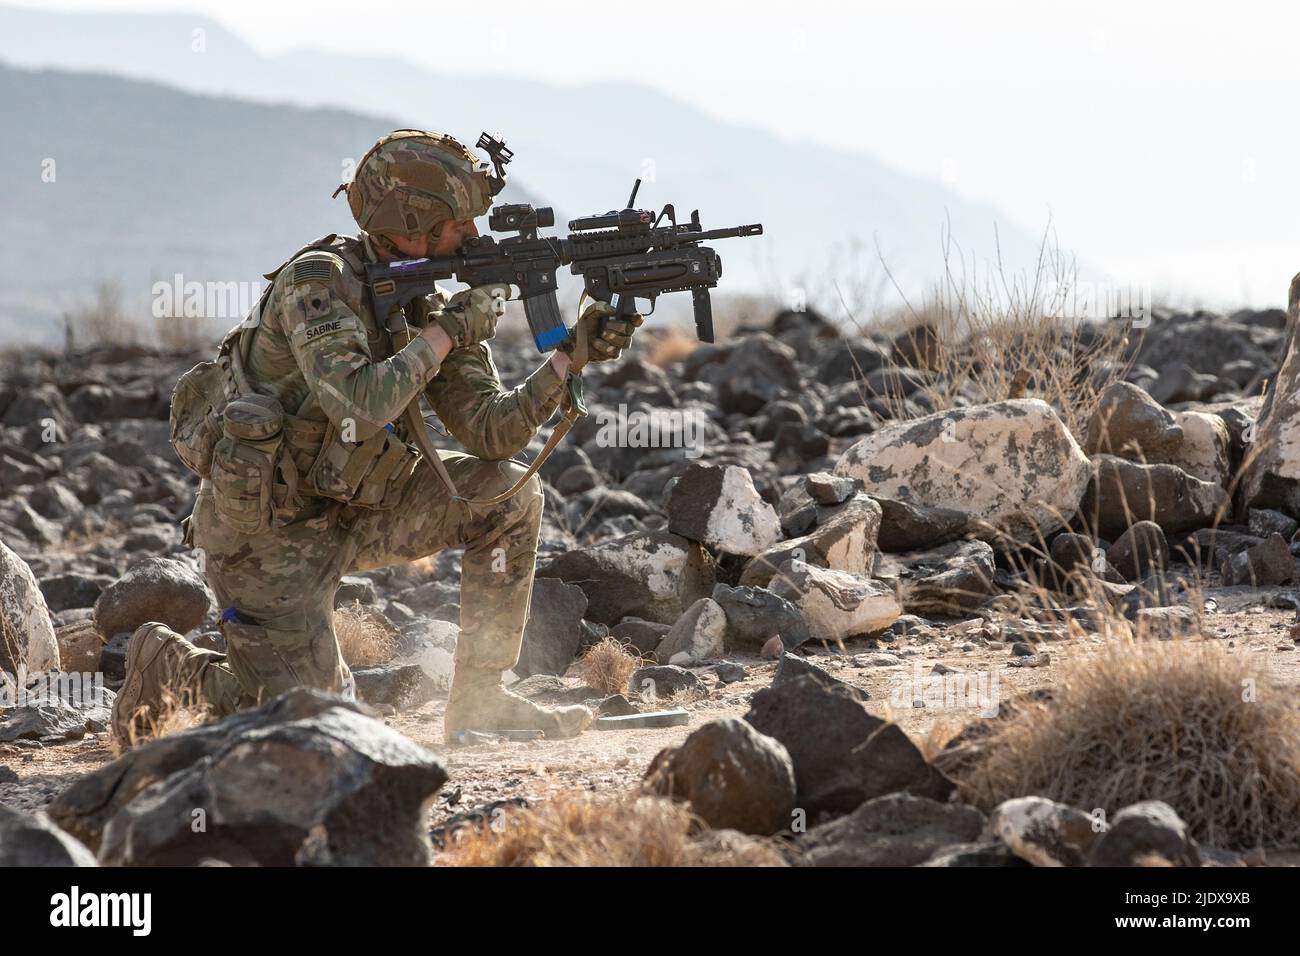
{"points": [[1155, 135]]}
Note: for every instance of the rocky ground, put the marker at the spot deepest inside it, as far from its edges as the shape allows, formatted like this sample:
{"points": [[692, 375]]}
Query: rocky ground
{"points": [[821, 535]]}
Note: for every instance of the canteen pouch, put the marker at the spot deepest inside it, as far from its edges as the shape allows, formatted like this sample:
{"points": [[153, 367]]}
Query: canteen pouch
{"points": [[197, 402], [244, 462]]}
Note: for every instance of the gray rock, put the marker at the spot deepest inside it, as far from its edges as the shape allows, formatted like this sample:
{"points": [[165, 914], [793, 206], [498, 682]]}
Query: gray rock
{"points": [[842, 755], [57, 717], [1131, 424], [1140, 551], [732, 776], [644, 636], [664, 680], [843, 539], [348, 791], [354, 588], [756, 614], [1267, 563], [898, 829], [32, 840], [156, 589], [719, 507], [696, 636], [905, 526], [553, 634], [976, 854], [791, 667], [73, 589], [757, 370], [1146, 833], [834, 604], [397, 686], [949, 580], [1124, 492], [1043, 832], [1265, 521], [26, 630]]}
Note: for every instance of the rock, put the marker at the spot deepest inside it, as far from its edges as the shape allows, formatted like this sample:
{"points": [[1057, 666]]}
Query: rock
{"points": [[827, 489], [553, 633], [1267, 563], [844, 539], [975, 854], [729, 672], [905, 526], [842, 755], [112, 659], [79, 647], [1265, 521], [791, 667], [396, 686], [1270, 476], [355, 588], [665, 680], [26, 631], [1129, 423], [1011, 465], [32, 840], [796, 444], [432, 645], [850, 361], [1206, 449], [899, 829], [1074, 555], [756, 614], [1166, 623], [719, 507], [1140, 551], [58, 715], [347, 791], [1146, 834], [836, 605], [949, 580], [1124, 492], [1043, 832], [757, 370], [653, 575], [696, 636], [156, 589], [732, 776], [73, 589], [644, 636], [918, 347]]}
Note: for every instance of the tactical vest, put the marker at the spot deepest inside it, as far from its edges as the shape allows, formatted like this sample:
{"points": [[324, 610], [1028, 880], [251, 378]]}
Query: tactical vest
{"points": [[261, 461]]}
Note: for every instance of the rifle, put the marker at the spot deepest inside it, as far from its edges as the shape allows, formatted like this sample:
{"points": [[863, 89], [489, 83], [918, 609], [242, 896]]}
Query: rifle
{"points": [[622, 255]]}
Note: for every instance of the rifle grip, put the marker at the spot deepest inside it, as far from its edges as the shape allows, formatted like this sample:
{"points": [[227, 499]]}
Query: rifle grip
{"points": [[544, 321], [703, 314]]}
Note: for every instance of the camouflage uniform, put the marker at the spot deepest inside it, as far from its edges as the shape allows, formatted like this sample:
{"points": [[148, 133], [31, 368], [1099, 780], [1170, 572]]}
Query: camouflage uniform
{"points": [[320, 349]]}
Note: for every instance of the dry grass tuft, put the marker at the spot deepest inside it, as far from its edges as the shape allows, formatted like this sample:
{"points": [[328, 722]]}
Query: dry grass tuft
{"points": [[1179, 721], [608, 666], [670, 345], [364, 641], [582, 829], [174, 714]]}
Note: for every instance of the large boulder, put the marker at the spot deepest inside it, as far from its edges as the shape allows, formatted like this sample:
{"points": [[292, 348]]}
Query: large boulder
{"points": [[346, 790], [1123, 493], [719, 507], [156, 589], [1270, 476], [26, 630], [653, 575], [842, 755], [32, 840], [898, 829], [733, 776], [1012, 465], [836, 605]]}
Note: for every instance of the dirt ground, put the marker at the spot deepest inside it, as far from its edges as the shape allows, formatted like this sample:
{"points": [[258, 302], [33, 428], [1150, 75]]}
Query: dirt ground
{"points": [[610, 761]]}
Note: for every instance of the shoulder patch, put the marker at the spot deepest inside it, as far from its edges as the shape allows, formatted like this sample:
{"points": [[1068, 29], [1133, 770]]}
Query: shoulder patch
{"points": [[312, 267]]}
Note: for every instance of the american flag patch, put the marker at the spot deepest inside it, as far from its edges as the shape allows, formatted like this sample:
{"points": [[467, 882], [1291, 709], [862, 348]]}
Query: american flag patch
{"points": [[312, 269]]}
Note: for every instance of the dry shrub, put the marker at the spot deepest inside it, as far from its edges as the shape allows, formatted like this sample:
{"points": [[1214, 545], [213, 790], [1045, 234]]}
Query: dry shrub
{"points": [[575, 828], [998, 336], [670, 345], [175, 713], [1178, 721], [608, 666], [364, 641]]}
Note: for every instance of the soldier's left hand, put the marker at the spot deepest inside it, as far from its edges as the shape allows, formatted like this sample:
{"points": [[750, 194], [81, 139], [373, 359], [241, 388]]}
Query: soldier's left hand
{"points": [[605, 335]]}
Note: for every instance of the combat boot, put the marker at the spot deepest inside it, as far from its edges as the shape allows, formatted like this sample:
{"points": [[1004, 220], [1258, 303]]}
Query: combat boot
{"points": [[479, 701], [156, 659]]}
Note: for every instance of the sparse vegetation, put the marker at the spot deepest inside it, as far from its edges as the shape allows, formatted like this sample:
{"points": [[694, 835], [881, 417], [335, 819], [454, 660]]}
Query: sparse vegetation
{"points": [[363, 641], [1185, 722], [581, 829], [608, 666], [175, 713]]}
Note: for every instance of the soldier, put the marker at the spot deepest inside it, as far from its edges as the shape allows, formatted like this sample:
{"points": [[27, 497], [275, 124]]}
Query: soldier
{"points": [[310, 474]]}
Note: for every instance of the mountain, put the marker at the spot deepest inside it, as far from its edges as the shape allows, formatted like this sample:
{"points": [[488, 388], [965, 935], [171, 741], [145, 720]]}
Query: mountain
{"points": [[579, 147]]}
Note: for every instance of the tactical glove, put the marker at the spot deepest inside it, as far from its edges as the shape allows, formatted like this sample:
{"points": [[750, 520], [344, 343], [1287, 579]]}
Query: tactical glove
{"points": [[600, 337], [470, 316]]}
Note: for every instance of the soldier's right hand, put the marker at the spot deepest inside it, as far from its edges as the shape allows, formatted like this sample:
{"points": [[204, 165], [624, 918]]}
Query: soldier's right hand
{"points": [[471, 315]]}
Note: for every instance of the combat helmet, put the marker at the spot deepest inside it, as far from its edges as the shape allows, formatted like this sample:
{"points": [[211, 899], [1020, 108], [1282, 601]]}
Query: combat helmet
{"points": [[412, 180]]}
